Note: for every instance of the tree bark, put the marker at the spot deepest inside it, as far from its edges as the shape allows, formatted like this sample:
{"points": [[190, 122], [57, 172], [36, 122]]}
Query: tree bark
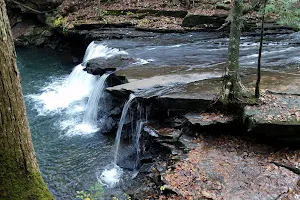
{"points": [[233, 88], [20, 177], [99, 9], [257, 86]]}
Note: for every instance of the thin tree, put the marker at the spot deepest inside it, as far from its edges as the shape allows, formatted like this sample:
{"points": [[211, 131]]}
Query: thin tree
{"points": [[99, 9], [257, 93], [233, 88], [20, 178]]}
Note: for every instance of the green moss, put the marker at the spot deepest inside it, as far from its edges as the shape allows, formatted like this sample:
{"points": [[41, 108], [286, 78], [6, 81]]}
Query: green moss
{"points": [[23, 186]]}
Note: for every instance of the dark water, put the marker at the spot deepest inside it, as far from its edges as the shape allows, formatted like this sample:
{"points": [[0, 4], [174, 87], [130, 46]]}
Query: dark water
{"points": [[70, 162]]}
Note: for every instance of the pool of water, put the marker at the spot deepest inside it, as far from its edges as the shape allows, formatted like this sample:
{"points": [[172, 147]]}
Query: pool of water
{"points": [[68, 160]]}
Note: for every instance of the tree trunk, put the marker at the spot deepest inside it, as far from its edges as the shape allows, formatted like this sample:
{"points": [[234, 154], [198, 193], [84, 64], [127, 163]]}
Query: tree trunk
{"points": [[99, 9], [257, 93], [20, 177], [233, 88], [187, 4]]}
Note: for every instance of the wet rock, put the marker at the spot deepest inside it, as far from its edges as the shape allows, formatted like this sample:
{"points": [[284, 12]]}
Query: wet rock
{"points": [[150, 131], [26, 32], [163, 90], [187, 142], [102, 33], [147, 158], [40, 41], [100, 66], [146, 168], [203, 21], [183, 103]]}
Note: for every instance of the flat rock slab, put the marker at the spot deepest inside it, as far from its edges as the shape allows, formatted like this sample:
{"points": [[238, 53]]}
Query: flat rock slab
{"points": [[212, 122], [278, 116], [207, 119], [160, 85], [187, 88], [228, 168]]}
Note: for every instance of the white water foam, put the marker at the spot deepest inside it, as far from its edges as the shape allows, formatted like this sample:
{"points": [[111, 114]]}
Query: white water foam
{"points": [[111, 176], [67, 95], [60, 94], [96, 50], [91, 111]]}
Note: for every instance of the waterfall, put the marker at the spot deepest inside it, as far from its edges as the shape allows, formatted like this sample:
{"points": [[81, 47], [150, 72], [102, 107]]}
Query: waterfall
{"points": [[121, 124], [62, 92], [91, 111], [112, 174], [139, 127], [96, 50], [79, 84]]}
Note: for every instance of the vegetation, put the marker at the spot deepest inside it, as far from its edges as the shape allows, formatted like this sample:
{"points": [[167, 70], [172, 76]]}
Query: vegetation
{"points": [[95, 192], [285, 11]]}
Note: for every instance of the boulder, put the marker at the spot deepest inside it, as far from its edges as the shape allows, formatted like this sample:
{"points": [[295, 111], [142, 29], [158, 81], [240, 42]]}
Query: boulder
{"points": [[100, 66]]}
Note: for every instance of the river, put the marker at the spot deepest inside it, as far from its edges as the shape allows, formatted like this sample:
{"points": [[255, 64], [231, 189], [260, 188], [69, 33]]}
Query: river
{"points": [[70, 160]]}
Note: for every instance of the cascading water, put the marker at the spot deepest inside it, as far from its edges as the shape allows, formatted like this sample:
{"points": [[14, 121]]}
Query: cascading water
{"points": [[96, 50], [121, 124], [112, 176], [91, 111], [62, 92], [89, 123], [67, 94], [139, 127]]}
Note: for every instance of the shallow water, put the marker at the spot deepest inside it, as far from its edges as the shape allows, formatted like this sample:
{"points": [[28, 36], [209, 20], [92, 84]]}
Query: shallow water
{"points": [[210, 49]]}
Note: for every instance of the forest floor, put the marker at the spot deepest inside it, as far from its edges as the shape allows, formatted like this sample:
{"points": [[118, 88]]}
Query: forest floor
{"points": [[226, 167], [87, 12]]}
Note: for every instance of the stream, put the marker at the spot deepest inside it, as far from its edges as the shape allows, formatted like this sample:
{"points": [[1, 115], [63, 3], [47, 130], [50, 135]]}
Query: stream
{"points": [[70, 158]]}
